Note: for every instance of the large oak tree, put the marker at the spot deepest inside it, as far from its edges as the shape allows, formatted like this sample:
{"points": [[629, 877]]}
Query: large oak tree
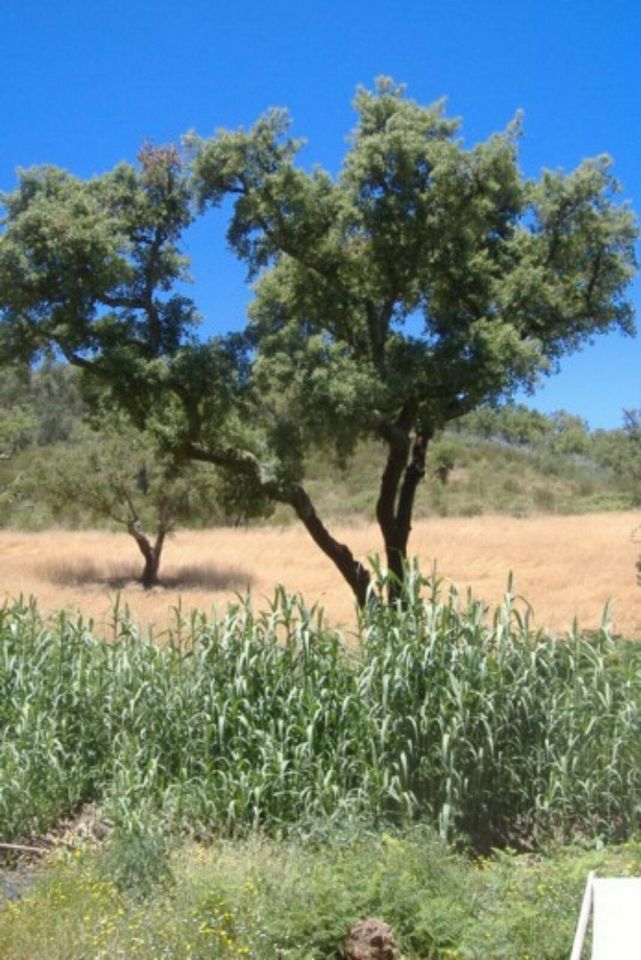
{"points": [[422, 280]]}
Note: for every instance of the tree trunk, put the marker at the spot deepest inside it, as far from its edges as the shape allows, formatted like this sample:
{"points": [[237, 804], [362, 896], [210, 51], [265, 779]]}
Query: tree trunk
{"points": [[399, 446], [413, 475], [353, 571], [395, 503], [151, 552]]}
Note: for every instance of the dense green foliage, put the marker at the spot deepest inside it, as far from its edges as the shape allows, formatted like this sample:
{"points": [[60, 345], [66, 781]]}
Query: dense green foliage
{"points": [[622, 452], [46, 401], [421, 281], [264, 900], [482, 729]]}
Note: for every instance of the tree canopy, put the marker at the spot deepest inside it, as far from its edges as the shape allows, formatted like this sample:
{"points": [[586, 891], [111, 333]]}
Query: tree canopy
{"points": [[422, 280]]}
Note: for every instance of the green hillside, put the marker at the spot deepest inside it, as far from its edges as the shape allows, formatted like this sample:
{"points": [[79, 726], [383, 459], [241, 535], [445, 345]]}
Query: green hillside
{"points": [[487, 477], [511, 460]]}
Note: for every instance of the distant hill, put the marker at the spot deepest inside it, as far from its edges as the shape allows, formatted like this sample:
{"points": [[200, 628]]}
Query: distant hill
{"points": [[486, 476], [510, 460]]}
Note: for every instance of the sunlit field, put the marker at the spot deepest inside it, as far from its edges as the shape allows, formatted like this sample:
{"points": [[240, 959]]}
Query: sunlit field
{"points": [[565, 567]]}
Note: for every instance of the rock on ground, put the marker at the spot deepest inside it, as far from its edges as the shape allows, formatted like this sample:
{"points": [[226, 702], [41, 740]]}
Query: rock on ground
{"points": [[371, 939]]}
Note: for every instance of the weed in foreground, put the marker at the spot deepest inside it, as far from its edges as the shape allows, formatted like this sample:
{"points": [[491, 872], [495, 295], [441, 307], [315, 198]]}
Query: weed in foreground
{"points": [[267, 900]]}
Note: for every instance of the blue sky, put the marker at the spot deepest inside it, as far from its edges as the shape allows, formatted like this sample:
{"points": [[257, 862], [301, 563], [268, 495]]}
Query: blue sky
{"points": [[84, 82]]}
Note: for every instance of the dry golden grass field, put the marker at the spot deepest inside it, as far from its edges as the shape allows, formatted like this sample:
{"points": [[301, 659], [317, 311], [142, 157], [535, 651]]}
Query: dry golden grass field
{"points": [[564, 566]]}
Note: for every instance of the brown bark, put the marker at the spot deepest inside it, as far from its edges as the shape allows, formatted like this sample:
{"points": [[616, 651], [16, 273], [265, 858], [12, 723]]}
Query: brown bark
{"points": [[398, 450], [341, 556], [397, 494], [151, 552], [413, 475]]}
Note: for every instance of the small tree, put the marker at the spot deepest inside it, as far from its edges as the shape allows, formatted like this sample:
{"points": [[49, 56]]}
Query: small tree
{"points": [[570, 434], [620, 451], [444, 459], [118, 475]]}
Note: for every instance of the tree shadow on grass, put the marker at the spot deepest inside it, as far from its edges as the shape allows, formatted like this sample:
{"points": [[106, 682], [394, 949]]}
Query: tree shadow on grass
{"points": [[117, 576], [205, 576]]}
